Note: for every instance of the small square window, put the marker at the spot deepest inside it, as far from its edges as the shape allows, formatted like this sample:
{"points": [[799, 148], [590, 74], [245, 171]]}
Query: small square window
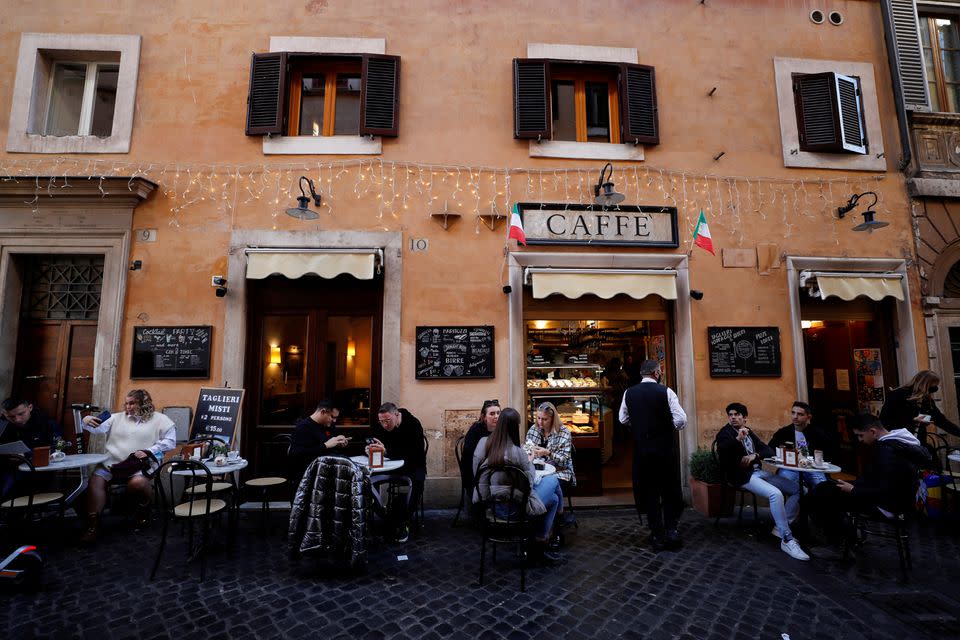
{"points": [[83, 98]]}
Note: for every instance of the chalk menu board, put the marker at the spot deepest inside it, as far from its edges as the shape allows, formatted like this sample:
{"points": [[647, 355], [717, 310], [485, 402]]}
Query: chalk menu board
{"points": [[217, 414], [454, 352], [744, 351], [171, 352]]}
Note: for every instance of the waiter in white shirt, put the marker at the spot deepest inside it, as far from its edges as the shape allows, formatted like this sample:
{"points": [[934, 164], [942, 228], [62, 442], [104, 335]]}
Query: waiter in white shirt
{"points": [[654, 415]]}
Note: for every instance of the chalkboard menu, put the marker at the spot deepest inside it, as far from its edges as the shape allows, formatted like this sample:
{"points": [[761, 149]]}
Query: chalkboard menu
{"points": [[171, 352], [217, 414], [454, 352], [744, 351]]}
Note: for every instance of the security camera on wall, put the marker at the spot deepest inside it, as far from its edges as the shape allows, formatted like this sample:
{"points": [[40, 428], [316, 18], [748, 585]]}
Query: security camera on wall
{"points": [[221, 285]]}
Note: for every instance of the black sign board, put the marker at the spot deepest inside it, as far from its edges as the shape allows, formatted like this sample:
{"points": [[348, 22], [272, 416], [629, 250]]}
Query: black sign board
{"points": [[217, 414], [171, 352], [744, 351], [454, 352]]}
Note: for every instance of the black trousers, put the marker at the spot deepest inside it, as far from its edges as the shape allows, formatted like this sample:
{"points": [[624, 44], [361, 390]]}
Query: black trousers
{"points": [[656, 488]]}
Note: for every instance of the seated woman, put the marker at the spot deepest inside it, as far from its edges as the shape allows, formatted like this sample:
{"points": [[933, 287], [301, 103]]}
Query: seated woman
{"points": [[550, 440], [139, 428], [489, 414], [503, 447]]}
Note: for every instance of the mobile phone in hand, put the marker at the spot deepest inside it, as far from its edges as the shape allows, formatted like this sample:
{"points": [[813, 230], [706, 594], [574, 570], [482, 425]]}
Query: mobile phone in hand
{"points": [[103, 415]]}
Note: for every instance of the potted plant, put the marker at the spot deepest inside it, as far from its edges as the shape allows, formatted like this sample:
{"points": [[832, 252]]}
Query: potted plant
{"points": [[705, 489]]}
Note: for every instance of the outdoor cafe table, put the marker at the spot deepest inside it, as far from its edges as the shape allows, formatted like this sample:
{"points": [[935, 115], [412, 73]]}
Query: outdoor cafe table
{"points": [[82, 461], [377, 473], [827, 467], [548, 470]]}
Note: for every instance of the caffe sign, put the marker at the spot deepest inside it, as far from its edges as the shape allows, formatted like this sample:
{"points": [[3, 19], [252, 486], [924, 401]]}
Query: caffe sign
{"points": [[644, 226]]}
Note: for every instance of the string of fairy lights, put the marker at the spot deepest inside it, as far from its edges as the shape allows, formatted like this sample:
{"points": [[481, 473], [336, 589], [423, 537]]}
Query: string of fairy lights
{"points": [[402, 189]]}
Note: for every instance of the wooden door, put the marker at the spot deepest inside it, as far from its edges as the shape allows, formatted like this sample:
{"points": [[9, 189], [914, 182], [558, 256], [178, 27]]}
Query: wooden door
{"points": [[54, 366]]}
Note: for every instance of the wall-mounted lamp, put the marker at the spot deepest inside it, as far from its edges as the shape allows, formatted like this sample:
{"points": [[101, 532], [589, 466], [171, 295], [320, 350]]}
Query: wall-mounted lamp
{"points": [[603, 192], [302, 211], [869, 222], [136, 265], [221, 285], [275, 354], [696, 294], [351, 348]]}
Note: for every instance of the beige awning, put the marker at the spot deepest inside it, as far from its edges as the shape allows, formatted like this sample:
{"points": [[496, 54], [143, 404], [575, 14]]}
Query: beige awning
{"points": [[847, 286], [573, 284], [292, 264]]}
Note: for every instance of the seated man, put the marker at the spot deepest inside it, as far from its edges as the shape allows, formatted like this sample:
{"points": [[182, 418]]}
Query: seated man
{"points": [[138, 429], [740, 452], [887, 486], [401, 435], [31, 425], [803, 435], [315, 436]]}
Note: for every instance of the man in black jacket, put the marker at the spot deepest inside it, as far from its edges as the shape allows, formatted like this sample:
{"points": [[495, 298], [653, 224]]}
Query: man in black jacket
{"points": [[654, 415], [887, 486], [401, 435], [804, 436], [741, 453], [314, 436], [31, 425]]}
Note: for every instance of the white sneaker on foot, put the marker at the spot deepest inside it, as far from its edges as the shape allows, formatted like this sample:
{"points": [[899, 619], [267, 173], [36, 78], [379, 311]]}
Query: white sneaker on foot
{"points": [[776, 532], [793, 550]]}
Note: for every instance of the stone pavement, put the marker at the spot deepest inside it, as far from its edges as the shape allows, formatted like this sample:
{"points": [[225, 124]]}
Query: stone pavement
{"points": [[725, 583]]}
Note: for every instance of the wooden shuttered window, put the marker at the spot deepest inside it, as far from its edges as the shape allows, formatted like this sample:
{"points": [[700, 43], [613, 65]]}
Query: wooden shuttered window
{"points": [[907, 53], [638, 110], [829, 113], [532, 109], [267, 98], [531, 99], [270, 91], [380, 95]]}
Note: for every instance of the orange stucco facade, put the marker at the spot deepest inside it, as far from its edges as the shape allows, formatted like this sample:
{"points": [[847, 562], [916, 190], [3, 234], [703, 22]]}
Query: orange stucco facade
{"points": [[456, 146]]}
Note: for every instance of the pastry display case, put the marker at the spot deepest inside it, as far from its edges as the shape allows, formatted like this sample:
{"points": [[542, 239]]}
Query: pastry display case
{"points": [[576, 393]]}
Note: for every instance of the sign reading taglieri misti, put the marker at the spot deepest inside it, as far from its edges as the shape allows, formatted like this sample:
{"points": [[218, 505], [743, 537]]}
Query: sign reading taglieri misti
{"points": [[558, 223]]}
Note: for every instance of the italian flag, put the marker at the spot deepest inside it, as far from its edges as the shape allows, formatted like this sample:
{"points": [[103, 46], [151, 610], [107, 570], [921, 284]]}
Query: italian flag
{"points": [[516, 227], [701, 234]]}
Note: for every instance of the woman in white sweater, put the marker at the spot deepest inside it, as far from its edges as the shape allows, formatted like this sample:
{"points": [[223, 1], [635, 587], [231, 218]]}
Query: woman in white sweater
{"points": [[137, 430]]}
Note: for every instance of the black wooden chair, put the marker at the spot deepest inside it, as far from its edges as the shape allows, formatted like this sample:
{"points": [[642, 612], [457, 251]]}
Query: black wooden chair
{"points": [[568, 488], [195, 509], [726, 487], [879, 525], [26, 501], [466, 486], [504, 491]]}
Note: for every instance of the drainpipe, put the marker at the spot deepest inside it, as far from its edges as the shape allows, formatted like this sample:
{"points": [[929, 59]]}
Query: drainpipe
{"points": [[891, 39]]}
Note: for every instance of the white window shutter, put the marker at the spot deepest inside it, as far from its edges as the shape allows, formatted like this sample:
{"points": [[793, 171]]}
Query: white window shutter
{"points": [[909, 55]]}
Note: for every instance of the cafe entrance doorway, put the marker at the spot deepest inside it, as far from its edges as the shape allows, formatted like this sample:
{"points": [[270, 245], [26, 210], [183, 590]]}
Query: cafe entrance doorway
{"points": [[581, 357], [309, 339]]}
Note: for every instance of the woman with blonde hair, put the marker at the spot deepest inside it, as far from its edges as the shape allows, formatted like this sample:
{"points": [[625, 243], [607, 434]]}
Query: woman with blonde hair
{"points": [[912, 407], [550, 440]]}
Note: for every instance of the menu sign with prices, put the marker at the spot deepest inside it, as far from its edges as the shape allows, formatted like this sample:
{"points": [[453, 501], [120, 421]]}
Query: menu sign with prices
{"points": [[744, 351], [217, 414], [454, 352], [171, 352]]}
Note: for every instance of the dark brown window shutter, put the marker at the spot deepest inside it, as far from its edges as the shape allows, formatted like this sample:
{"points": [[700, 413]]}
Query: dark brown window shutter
{"points": [[829, 113], [638, 105], [380, 96], [268, 92], [531, 99], [908, 53]]}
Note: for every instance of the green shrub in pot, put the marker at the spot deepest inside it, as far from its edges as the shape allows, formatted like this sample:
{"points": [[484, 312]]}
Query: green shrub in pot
{"points": [[705, 467]]}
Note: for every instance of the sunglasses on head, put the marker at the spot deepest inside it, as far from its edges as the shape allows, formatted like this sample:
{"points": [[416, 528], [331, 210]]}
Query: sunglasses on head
{"points": [[491, 403]]}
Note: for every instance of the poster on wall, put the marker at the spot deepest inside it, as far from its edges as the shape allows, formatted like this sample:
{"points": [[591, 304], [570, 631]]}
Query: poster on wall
{"points": [[658, 350], [868, 370]]}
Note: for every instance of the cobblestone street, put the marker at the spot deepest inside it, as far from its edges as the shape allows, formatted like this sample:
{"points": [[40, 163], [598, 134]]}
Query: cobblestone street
{"points": [[724, 583]]}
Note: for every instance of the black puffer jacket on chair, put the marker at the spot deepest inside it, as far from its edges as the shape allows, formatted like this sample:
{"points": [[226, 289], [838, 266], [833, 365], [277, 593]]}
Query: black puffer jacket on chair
{"points": [[329, 517]]}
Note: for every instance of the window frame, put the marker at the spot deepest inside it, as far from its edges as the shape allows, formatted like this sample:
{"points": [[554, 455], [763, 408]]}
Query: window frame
{"points": [[86, 101], [580, 77], [38, 54], [330, 69], [926, 19]]}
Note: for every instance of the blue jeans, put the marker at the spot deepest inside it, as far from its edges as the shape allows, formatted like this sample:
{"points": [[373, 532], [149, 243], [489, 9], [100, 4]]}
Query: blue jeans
{"points": [[810, 480], [548, 490], [775, 488]]}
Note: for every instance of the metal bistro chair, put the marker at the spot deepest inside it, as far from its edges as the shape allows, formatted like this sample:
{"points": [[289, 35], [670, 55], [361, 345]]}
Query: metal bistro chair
{"points": [[879, 525], [465, 489], [262, 485], [191, 511], [24, 497], [726, 486], [505, 512]]}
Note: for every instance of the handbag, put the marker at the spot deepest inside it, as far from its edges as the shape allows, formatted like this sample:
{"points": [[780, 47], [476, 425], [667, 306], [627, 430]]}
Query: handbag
{"points": [[126, 469]]}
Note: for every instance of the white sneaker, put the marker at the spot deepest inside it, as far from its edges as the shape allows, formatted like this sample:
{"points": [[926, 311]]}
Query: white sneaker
{"points": [[793, 550], [776, 532]]}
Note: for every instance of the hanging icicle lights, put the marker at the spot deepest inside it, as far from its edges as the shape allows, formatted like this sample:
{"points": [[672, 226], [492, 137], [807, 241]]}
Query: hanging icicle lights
{"points": [[402, 189]]}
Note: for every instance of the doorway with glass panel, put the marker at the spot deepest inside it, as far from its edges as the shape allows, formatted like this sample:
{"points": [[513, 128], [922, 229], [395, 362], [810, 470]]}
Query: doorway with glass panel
{"points": [[309, 339]]}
